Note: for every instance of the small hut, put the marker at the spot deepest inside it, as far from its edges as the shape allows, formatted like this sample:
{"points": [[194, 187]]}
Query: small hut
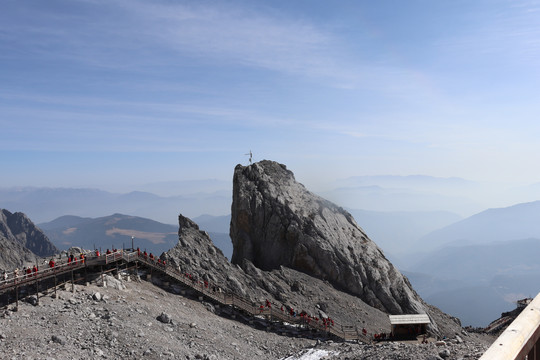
{"points": [[408, 326]]}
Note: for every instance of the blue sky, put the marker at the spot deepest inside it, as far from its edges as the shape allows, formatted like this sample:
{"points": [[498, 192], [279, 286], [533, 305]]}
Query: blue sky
{"points": [[95, 92]]}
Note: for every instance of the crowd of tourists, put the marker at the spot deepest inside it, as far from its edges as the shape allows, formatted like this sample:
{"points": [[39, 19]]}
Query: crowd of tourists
{"points": [[28, 272]]}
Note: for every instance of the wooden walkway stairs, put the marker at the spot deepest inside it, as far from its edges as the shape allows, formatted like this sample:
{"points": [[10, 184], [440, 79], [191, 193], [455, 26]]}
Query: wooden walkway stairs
{"points": [[210, 291]]}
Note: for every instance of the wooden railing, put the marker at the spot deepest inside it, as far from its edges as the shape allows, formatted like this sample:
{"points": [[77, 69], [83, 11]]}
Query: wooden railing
{"points": [[521, 339], [214, 292], [204, 288]]}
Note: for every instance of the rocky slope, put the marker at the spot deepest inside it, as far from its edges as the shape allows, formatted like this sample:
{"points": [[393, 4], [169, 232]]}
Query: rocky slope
{"points": [[14, 255], [277, 222], [18, 227], [138, 320], [21, 241], [133, 319], [196, 254]]}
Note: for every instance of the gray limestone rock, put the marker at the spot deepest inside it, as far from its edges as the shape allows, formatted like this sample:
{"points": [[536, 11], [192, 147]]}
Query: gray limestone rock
{"points": [[337, 261], [32, 300], [59, 339], [277, 222], [21, 242], [18, 227], [444, 353], [164, 318]]}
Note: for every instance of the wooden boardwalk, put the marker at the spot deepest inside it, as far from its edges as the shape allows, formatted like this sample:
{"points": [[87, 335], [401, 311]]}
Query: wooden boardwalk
{"points": [[213, 292]]}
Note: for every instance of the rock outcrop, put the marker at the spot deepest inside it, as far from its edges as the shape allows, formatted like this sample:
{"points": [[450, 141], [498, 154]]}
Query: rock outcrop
{"points": [[196, 254], [21, 241], [14, 255], [18, 227], [277, 222]]}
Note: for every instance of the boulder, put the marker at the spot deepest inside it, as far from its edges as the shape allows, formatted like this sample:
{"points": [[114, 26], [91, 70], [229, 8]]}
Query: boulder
{"points": [[59, 339], [164, 318], [33, 300], [111, 282], [444, 353]]}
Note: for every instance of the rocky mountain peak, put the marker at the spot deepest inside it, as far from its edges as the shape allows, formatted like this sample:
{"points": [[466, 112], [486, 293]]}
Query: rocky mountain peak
{"points": [[277, 222], [21, 241], [186, 223], [18, 227]]}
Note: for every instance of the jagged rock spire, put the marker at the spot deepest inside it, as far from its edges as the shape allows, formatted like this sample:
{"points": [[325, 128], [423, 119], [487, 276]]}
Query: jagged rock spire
{"points": [[277, 222]]}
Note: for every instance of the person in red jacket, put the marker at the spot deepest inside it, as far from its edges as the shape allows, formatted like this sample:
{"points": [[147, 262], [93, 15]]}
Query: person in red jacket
{"points": [[34, 270], [51, 263], [28, 272], [97, 253]]}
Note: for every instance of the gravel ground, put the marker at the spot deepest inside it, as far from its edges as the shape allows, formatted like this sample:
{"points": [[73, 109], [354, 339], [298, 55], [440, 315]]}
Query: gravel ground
{"points": [[136, 319]]}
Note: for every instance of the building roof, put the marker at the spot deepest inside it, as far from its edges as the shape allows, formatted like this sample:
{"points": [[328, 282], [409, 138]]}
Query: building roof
{"points": [[409, 319]]}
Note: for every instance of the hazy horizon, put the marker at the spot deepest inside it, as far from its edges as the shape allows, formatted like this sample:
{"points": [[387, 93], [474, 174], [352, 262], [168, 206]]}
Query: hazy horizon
{"points": [[381, 193]]}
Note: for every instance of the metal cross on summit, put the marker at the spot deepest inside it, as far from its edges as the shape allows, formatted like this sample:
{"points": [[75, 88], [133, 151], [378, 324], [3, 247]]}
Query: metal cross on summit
{"points": [[250, 156]]}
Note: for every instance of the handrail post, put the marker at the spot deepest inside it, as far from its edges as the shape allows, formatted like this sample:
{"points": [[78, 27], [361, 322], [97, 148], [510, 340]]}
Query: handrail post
{"points": [[37, 291]]}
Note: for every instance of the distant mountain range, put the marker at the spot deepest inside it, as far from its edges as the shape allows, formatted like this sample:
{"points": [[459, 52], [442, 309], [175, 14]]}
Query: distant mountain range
{"points": [[46, 204], [396, 231], [476, 267], [477, 283], [114, 231], [520, 221], [414, 193]]}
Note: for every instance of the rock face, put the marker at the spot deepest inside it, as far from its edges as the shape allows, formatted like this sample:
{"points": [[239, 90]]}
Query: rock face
{"points": [[196, 254], [13, 254], [277, 222], [21, 241], [17, 227]]}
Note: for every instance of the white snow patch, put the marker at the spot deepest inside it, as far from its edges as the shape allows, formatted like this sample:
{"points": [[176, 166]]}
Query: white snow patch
{"points": [[311, 354]]}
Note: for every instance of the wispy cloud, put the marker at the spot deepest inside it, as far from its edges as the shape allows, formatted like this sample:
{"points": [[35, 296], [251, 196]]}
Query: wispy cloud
{"points": [[502, 30], [145, 36], [213, 33]]}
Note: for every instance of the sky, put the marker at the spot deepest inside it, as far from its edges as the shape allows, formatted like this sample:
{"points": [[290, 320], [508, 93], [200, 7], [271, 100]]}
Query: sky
{"points": [[114, 93]]}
